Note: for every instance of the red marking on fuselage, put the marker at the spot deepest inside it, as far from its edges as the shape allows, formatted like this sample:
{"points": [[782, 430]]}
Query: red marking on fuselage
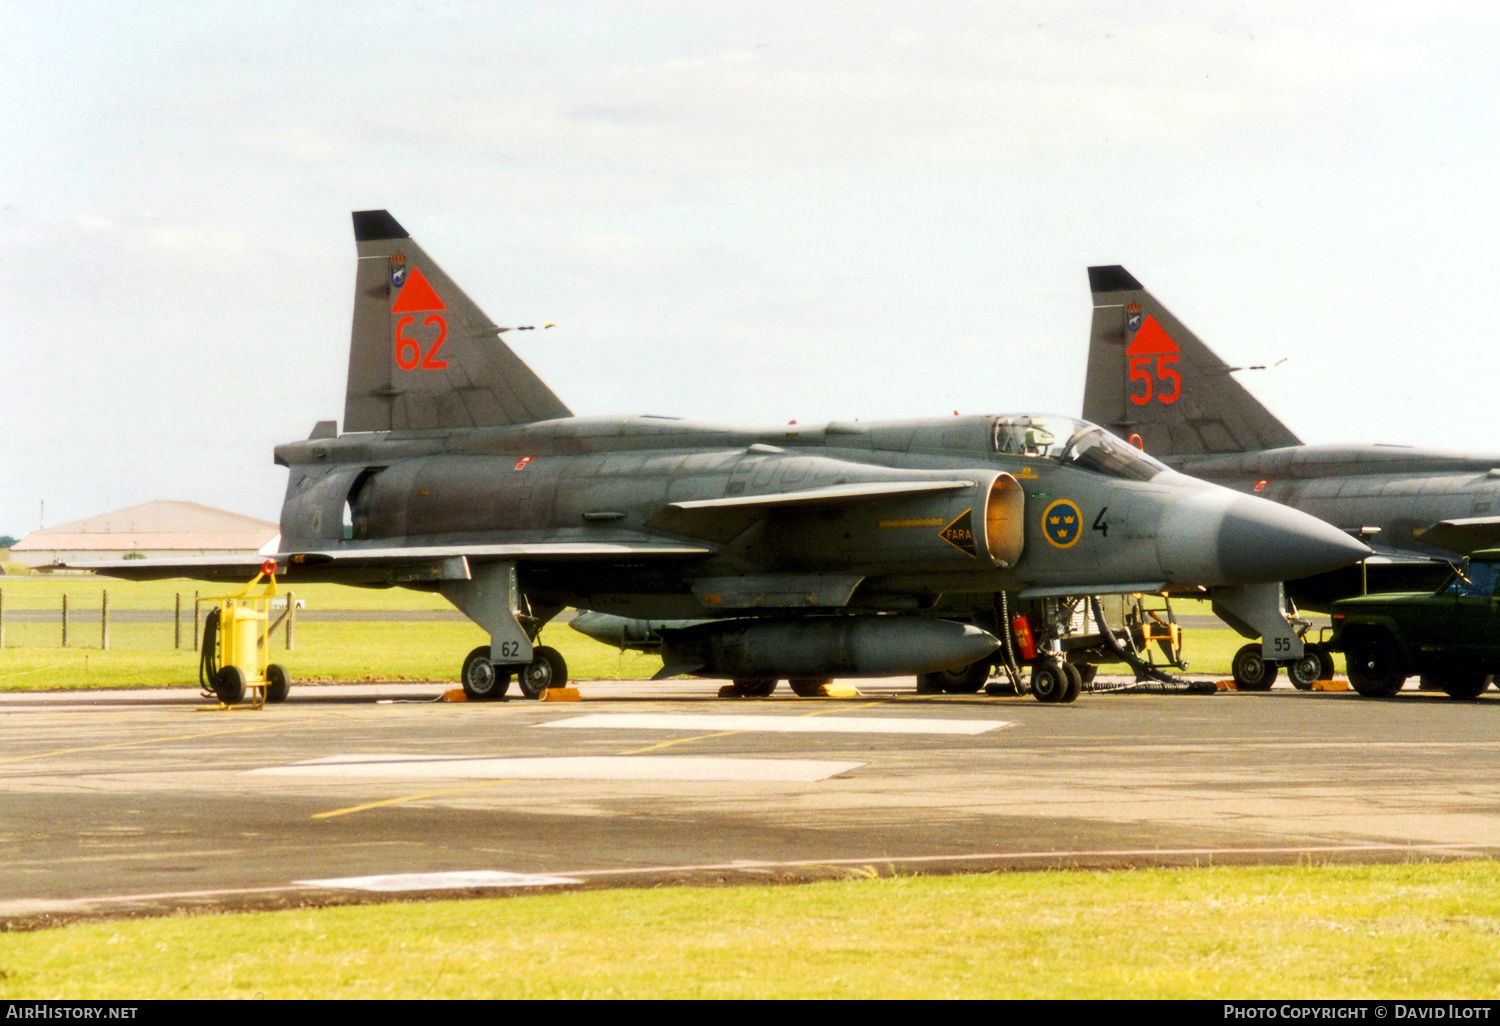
{"points": [[1151, 340], [417, 295], [521, 463]]}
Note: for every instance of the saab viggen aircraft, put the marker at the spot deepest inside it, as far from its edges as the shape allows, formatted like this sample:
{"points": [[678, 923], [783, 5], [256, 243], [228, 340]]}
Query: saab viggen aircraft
{"points": [[869, 548]]}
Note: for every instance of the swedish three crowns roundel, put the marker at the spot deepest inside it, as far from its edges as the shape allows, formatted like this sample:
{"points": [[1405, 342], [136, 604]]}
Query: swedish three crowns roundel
{"points": [[1062, 523]]}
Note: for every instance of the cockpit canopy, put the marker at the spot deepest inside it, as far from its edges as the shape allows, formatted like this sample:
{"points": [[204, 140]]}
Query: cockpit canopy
{"points": [[1076, 443]]}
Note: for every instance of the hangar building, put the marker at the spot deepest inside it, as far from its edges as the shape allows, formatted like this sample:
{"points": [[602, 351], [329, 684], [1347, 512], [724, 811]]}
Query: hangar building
{"points": [[154, 529]]}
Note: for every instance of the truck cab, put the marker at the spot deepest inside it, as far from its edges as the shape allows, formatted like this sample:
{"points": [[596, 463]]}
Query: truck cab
{"points": [[1451, 636]]}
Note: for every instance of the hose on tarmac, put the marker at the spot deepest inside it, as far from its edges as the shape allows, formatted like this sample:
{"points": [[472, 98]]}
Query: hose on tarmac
{"points": [[1148, 677]]}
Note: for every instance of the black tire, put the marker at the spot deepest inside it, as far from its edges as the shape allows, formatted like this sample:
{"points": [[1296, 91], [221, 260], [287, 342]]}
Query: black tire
{"points": [[1088, 671], [809, 687], [482, 680], [1049, 682], [1325, 659], [1251, 670], [966, 680], [547, 669], [1462, 682], [229, 685], [758, 687], [1375, 669], [1075, 683], [278, 683], [1305, 671]]}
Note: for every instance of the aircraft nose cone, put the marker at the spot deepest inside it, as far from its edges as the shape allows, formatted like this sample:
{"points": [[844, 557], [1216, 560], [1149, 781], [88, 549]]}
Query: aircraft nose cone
{"points": [[1261, 540]]}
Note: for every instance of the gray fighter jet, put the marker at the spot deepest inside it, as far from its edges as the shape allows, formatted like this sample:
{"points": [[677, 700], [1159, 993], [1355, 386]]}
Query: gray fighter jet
{"points": [[1152, 381], [804, 552]]}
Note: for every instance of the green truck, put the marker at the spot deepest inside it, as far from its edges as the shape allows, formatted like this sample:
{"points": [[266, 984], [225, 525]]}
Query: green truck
{"points": [[1450, 637]]}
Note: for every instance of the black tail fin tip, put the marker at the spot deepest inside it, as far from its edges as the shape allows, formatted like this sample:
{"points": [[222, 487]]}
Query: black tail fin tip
{"points": [[373, 225], [1113, 278]]}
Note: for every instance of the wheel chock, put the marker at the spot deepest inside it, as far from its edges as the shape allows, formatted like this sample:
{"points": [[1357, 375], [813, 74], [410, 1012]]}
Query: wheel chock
{"points": [[731, 691], [1330, 685], [1225, 685], [838, 689], [561, 695], [455, 695]]}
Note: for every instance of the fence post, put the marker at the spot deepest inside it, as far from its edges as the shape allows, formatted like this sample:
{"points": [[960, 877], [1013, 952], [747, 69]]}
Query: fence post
{"points": [[65, 620], [195, 619], [104, 622], [177, 624], [291, 616]]}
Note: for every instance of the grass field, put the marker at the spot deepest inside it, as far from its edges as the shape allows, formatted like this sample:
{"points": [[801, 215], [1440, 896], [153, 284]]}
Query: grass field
{"points": [[1413, 931], [141, 655]]}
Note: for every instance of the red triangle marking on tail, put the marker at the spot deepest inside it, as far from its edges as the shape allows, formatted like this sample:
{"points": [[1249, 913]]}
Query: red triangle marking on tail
{"points": [[1149, 341], [417, 295]]}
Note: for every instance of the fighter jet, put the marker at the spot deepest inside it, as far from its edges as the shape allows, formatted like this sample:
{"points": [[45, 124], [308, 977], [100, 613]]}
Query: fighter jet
{"points": [[800, 552], [1153, 381]]}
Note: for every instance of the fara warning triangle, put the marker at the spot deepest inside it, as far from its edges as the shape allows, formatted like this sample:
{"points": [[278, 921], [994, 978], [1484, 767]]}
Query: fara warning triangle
{"points": [[960, 533], [1151, 340], [416, 295]]}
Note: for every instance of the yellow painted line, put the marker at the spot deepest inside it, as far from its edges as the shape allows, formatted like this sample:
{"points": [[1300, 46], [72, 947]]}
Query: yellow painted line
{"points": [[405, 798], [128, 744], [43, 669], [680, 741], [634, 751]]}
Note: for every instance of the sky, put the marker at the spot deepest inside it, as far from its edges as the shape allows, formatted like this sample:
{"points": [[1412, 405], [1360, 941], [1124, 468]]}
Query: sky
{"points": [[792, 211]]}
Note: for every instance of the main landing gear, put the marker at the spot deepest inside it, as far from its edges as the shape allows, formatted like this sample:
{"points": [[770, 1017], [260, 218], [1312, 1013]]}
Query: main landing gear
{"points": [[486, 681]]}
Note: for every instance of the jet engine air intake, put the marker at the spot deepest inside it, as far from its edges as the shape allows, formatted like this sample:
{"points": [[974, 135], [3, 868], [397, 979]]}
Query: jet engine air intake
{"points": [[1005, 520]]}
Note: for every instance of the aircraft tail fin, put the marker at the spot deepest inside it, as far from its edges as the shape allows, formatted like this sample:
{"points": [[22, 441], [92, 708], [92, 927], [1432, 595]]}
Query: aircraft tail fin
{"points": [[422, 354], [1151, 377]]}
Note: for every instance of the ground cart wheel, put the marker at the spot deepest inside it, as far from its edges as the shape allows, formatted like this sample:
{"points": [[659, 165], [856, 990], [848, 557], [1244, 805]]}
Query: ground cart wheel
{"points": [[229, 685], [481, 679], [1251, 671], [758, 687], [546, 670], [278, 683]]}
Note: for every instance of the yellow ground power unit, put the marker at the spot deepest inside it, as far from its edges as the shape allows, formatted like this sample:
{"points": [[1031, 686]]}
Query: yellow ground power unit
{"points": [[237, 645]]}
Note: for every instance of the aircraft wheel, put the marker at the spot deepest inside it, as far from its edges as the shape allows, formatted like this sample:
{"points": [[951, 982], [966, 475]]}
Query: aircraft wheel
{"points": [[1088, 671], [1303, 672], [483, 681], [1325, 661], [229, 685], [759, 687], [965, 680], [1375, 670], [1074, 682], [809, 687], [1049, 681], [1251, 671], [546, 670], [278, 683]]}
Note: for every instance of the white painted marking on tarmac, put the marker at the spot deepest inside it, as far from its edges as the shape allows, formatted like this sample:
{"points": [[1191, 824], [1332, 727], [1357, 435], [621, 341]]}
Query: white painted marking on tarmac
{"points": [[440, 881], [787, 724], [595, 767]]}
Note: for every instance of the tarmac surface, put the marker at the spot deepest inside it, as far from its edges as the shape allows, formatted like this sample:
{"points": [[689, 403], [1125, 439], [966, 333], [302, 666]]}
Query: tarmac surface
{"points": [[148, 802]]}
